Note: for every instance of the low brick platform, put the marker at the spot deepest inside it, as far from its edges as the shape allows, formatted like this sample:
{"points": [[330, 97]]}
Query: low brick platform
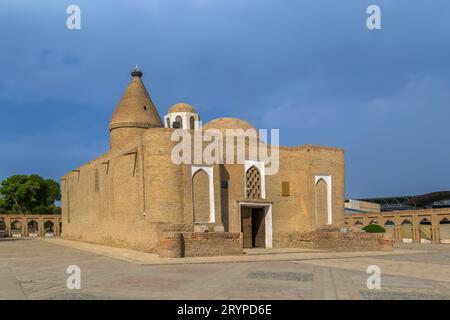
{"points": [[336, 241], [199, 244]]}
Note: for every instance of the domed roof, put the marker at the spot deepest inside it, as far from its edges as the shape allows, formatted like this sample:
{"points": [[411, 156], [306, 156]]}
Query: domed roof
{"points": [[182, 107], [135, 108], [228, 123]]}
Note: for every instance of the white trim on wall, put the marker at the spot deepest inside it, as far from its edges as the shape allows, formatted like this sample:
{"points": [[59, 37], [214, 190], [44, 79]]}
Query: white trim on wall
{"points": [[209, 172], [327, 180], [262, 171], [185, 116]]}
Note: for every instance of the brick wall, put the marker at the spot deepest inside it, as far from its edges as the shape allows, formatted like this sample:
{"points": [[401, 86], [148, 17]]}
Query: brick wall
{"points": [[199, 244], [335, 241]]}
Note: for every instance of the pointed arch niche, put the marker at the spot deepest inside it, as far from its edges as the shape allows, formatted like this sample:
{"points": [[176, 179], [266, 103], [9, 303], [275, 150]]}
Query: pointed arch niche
{"points": [[208, 170], [259, 165], [320, 203]]}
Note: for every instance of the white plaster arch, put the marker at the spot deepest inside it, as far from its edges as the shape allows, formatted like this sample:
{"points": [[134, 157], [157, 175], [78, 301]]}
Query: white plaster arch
{"points": [[327, 180], [209, 171]]}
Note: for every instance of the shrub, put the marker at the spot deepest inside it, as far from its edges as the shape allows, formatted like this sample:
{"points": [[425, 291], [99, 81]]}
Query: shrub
{"points": [[374, 228]]}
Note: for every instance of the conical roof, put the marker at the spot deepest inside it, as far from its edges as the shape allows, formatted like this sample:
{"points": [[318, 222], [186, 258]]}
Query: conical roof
{"points": [[135, 108]]}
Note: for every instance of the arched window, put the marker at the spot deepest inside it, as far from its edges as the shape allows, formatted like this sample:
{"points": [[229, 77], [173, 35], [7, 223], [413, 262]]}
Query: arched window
{"points": [[16, 229], [425, 231], [389, 223], [168, 122], [253, 183], [32, 226], [406, 222], [33, 229], [191, 122], [444, 230], [16, 225], [407, 231], [179, 122], [48, 226]]}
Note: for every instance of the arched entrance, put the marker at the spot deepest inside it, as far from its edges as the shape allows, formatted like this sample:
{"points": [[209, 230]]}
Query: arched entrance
{"points": [[16, 229], [2, 228], [49, 229], [425, 231], [444, 230], [33, 229], [407, 231], [389, 226]]}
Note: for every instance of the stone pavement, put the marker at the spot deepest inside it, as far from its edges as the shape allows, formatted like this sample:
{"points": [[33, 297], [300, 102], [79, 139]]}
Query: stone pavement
{"points": [[35, 269], [251, 255]]}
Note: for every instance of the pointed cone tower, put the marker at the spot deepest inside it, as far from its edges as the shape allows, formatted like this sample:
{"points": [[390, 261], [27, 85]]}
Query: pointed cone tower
{"points": [[134, 113]]}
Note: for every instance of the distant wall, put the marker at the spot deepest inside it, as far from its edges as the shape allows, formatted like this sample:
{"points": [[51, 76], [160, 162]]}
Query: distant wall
{"points": [[30, 225], [426, 225], [336, 241]]}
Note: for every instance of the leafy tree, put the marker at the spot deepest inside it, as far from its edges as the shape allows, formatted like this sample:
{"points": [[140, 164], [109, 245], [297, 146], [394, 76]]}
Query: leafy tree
{"points": [[374, 228], [29, 194], [3, 206]]}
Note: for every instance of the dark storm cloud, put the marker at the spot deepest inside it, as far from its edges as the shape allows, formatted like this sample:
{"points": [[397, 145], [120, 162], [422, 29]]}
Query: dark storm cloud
{"points": [[310, 68]]}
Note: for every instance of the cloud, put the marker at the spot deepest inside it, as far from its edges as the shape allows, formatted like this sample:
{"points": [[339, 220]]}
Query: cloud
{"points": [[310, 68]]}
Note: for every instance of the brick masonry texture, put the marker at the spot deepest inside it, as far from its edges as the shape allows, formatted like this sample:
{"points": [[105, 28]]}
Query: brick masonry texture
{"points": [[199, 244], [337, 241]]}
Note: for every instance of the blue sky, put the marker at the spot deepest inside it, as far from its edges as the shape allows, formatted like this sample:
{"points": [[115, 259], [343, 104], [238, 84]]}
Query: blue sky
{"points": [[308, 67]]}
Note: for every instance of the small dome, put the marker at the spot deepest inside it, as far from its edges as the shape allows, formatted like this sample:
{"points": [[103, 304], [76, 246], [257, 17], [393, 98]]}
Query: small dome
{"points": [[228, 123], [182, 107]]}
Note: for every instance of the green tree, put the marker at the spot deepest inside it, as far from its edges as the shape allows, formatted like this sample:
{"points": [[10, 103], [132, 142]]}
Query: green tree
{"points": [[29, 194], [374, 228]]}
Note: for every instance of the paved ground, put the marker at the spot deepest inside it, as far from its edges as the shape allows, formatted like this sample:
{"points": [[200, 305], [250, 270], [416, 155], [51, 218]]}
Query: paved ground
{"points": [[35, 269]]}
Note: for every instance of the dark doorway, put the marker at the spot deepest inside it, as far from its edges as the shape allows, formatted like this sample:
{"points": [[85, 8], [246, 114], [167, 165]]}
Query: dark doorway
{"points": [[253, 227]]}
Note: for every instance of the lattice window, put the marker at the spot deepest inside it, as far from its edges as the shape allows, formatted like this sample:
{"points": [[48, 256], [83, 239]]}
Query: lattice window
{"points": [[253, 183]]}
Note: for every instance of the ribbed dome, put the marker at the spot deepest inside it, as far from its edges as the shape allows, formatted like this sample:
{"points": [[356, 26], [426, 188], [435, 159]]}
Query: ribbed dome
{"points": [[135, 108], [228, 123], [182, 107]]}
